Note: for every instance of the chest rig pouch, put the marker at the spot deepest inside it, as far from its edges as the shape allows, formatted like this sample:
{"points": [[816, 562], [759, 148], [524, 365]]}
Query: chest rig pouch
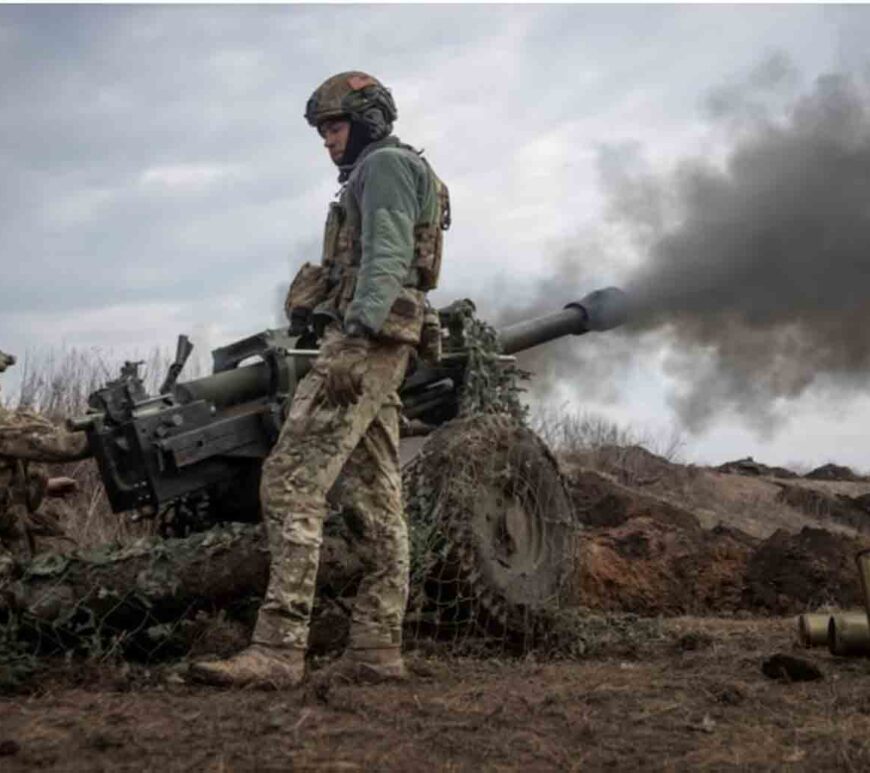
{"points": [[428, 237], [341, 254]]}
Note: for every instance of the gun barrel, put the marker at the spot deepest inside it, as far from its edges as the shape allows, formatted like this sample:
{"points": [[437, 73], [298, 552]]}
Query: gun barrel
{"points": [[228, 387], [244, 383], [533, 332], [600, 310]]}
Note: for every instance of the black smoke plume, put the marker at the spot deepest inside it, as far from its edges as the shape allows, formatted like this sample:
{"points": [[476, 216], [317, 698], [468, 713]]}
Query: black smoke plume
{"points": [[755, 268]]}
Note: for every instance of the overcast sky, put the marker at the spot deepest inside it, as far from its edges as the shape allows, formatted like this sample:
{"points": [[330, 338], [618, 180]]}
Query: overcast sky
{"points": [[158, 176]]}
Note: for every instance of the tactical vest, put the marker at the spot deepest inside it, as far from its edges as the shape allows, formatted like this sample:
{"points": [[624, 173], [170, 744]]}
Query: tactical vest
{"points": [[342, 253]]}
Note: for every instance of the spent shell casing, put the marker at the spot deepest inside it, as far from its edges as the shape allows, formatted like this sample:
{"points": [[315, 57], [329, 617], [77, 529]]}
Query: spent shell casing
{"points": [[813, 629], [849, 633]]}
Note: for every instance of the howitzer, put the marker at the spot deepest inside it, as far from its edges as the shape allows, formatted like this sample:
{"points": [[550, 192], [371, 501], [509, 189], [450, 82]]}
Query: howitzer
{"points": [[194, 451]]}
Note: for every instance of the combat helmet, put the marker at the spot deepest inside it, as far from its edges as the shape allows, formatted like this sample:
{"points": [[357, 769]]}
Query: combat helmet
{"points": [[6, 360], [357, 96]]}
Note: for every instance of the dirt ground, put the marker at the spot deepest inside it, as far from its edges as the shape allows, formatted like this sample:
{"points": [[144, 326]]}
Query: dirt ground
{"points": [[694, 699]]}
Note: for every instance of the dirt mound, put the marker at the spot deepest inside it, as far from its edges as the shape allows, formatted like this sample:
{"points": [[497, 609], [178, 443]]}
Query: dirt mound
{"points": [[833, 472], [645, 555], [749, 466], [794, 572], [853, 512], [601, 502], [653, 567], [633, 466]]}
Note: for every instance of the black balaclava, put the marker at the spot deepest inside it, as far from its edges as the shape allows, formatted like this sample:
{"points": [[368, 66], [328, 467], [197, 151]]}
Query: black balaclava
{"points": [[370, 126], [357, 139]]}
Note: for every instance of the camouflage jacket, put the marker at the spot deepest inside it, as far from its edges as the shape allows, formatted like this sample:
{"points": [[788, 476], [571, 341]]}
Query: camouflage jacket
{"points": [[390, 198], [26, 440], [381, 246]]}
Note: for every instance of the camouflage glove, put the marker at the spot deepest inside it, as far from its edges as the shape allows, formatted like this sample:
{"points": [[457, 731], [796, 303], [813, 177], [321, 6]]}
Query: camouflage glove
{"points": [[345, 371]]}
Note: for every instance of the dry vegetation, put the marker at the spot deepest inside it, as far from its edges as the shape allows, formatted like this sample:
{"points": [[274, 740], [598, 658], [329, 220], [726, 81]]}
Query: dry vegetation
{"points": [[652, 464], [57, 385]]}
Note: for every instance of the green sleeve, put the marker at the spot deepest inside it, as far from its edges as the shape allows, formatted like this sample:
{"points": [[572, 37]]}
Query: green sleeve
{"points": [[389, 208]]}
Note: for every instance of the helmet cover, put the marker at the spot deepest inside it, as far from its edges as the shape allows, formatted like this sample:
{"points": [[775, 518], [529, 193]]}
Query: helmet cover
{"points": [[356, 96]]}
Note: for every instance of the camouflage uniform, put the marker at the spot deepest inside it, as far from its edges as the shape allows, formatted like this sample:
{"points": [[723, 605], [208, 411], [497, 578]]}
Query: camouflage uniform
{"points": [[381, 253], [317, 442], [26, 441], [382, 249]]}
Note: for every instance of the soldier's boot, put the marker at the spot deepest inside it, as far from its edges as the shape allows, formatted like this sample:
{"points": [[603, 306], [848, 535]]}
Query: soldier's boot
{"points": [[370, 666], [268, 668]]}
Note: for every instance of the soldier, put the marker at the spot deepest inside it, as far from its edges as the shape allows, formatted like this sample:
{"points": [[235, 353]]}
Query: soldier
{"points": [[381, 253], [27, 439]]}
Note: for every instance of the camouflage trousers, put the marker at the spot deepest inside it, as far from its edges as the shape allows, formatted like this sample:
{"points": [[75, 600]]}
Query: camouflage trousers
{"points": [[318, 443]]}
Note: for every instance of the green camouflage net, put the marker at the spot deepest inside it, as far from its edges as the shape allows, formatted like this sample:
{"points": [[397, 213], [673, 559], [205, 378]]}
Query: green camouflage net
{"points": [[492, 536], [490, 386], [149, 599]]}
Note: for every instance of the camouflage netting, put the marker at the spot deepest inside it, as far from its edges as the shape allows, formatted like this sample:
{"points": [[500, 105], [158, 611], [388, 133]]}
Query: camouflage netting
{"points": [[492, 544], [140, 599], [490, 386], [492, 534], [490, 522]]}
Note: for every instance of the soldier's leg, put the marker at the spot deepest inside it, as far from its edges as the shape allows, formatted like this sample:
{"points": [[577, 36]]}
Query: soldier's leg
{"points": [[313, 447], [299, 472], [371, 495], [307, 456]]}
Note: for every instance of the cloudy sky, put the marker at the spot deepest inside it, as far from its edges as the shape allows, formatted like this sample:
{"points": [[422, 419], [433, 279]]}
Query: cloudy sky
{"points": [[158, 176]]}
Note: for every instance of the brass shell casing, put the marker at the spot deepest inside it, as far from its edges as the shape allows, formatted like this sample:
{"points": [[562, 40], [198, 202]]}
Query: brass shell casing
{"points": [[849, 633], [813, 629]]}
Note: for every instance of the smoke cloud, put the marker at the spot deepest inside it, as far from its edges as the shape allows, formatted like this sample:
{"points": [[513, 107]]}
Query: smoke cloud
{"points": [[764, 281], [755, 267]]}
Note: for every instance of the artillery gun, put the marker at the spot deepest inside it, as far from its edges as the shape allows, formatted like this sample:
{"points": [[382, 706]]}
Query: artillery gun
{"points": [[487, 509]]}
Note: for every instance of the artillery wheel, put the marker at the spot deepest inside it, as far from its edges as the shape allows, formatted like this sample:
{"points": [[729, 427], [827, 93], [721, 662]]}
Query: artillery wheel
{"points": [[491, 526]]}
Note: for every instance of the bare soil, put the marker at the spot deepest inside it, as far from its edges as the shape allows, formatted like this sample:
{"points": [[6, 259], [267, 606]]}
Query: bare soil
{"points": [[694, 699], [681, 693], [652, 554]]}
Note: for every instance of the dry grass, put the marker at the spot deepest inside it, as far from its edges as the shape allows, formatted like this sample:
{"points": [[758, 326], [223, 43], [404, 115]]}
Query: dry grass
{"points": [[591, 441], [570, 433], [56, 384]]}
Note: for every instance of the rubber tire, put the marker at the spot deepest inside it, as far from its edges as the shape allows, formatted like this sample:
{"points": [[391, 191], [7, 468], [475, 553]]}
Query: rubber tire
{"points": [[492, 492]]}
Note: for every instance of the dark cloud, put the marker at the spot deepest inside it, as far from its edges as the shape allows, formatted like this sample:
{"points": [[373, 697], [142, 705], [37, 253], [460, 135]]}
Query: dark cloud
{"points": [[92, 99]]}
